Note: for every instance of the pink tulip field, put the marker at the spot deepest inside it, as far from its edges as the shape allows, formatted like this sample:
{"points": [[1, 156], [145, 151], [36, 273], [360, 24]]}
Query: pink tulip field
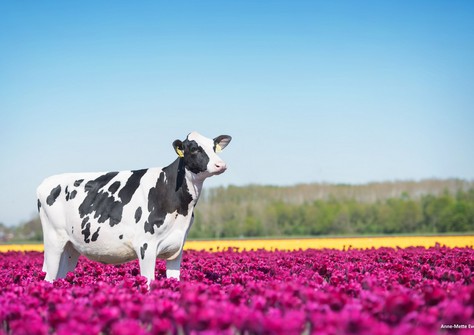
{"points": [[372, 291]]}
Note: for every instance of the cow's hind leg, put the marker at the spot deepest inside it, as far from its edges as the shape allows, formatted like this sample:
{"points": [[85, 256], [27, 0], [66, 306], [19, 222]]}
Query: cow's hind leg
{"points": [[53, 248], [52, 260], [68, 260]]}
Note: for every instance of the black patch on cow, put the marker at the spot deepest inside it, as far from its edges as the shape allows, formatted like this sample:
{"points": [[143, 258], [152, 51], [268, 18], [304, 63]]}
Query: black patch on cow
{"points": [[114, 187], [70, 195], [78, 182], [131, 186], [86, 219], [100, 182], [169, 195], [53, 195], [143, 249], [121, 236], [86, 226], [87, 232], [95, 236], [195, 157], [149, 227], [73, 195], [39, 205], [100, 202], [138, 214]]}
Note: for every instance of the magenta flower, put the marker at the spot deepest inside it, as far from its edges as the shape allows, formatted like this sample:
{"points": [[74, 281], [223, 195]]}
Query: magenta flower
{"points": [[394, 291]]}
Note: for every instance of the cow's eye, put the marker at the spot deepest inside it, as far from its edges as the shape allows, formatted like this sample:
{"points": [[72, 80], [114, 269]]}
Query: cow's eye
{"points": [[194, 150]]}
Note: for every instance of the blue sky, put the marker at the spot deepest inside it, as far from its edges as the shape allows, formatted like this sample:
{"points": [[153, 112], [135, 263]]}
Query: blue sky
{"points": [[311, 91]]}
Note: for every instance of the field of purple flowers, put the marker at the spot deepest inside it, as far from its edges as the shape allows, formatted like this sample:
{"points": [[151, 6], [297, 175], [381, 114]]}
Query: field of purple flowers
{"points": [[374, 291]]}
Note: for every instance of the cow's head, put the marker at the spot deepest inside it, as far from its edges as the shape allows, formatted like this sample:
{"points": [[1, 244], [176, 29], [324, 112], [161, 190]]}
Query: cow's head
{"points": [[199, 154]]}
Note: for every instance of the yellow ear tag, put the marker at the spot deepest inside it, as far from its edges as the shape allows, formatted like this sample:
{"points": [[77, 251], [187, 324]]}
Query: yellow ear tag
{"points": [[218, 148], [180, 152]]}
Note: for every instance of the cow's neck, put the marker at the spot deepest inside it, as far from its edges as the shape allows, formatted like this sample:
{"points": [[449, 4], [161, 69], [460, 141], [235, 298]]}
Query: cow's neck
{"points": [[194, 184], [186, 178]]}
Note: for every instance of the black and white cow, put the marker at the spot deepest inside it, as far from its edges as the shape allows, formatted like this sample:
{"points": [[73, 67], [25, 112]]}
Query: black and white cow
{"points": [[116, 217]]}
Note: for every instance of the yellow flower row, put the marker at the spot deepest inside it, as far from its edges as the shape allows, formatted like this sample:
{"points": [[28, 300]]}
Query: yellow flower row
{"points": [[335, 243], [339, 243]]}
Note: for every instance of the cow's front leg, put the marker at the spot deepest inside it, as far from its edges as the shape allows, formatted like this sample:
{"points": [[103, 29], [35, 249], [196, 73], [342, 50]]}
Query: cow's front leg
{"points": [[173, 266], [147, 261]]}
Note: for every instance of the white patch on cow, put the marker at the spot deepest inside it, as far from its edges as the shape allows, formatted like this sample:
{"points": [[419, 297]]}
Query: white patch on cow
{"points": [[174, 236]]}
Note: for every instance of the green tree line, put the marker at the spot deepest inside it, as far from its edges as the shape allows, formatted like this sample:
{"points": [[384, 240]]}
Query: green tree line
{"points": [[252, 211]]}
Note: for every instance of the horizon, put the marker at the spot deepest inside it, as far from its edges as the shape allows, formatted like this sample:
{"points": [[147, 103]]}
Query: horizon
{"points": [[335, 183]]}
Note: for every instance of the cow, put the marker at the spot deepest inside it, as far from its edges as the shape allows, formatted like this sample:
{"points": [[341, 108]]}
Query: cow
{"points": [[116, 217]]}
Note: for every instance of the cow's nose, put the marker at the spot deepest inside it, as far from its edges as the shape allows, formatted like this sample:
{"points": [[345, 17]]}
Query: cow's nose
{"points": [[220, 165]]}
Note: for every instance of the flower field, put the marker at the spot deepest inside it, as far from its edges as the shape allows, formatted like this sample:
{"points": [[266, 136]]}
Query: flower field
{"points": [[315, 291]]}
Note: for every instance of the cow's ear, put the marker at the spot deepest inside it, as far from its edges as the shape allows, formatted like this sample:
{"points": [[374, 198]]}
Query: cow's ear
{"points": [[220, 142], [178, 147]]}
